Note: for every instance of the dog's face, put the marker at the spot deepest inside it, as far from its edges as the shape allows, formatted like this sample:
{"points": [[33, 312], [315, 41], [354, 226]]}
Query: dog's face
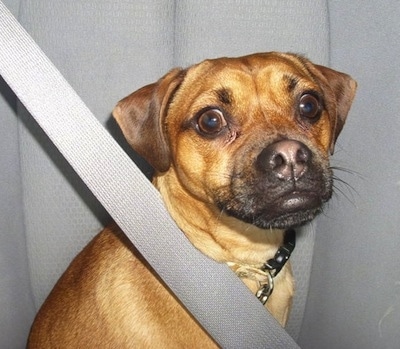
{"points": [[251, 136]]}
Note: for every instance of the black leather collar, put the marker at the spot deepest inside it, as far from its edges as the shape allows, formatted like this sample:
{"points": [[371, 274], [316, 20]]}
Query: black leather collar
{"points": [[274, 265]]}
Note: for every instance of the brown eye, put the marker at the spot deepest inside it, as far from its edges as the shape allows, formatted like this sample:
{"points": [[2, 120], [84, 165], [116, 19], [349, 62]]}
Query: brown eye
{"points": [[309, 106], [211, 122]]}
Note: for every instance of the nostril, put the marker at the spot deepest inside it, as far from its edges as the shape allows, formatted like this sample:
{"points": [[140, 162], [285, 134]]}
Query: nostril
{"points": [[277, 160], [303, 155], [282, 166]]}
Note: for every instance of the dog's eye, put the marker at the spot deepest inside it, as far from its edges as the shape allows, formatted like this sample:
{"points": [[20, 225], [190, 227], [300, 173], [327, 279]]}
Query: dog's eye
{"points": [[211, 122], [309, 106]]}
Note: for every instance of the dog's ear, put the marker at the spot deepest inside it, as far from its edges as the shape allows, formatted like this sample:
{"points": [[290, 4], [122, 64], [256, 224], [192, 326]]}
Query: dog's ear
{"points": [[343, 89], [141, 118]]}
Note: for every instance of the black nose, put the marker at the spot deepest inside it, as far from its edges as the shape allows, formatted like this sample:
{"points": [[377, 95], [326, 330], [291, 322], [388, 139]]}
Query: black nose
{"points": [[287, 159]]}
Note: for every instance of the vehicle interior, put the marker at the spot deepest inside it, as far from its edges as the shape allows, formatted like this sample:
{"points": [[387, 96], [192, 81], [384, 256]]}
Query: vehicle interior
{"points": [[346, 263]]}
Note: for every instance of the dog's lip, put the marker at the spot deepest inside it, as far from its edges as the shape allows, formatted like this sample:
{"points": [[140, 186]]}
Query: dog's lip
{"points": [[299, 200]]}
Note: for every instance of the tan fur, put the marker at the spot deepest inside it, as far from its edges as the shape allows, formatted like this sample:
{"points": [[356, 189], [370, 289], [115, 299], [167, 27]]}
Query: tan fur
{"points": [[109, 297]]}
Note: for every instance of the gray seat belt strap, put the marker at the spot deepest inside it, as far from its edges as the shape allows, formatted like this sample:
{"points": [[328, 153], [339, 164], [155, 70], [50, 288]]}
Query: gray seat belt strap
{"points": [[210, 291]]}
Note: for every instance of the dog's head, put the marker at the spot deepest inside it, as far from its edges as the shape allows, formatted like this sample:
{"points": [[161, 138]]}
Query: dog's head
{"points": [[250, 135]]}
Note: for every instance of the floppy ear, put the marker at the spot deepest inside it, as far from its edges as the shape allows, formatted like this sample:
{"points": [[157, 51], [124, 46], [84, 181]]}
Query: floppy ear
{"points": [[141, 118], [343, 88]]}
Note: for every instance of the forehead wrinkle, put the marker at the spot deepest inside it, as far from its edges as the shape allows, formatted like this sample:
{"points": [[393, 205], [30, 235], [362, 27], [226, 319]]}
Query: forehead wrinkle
{"points": [[258, 91], [291, 81], [259, 87], [275, 91], [224, 95]]}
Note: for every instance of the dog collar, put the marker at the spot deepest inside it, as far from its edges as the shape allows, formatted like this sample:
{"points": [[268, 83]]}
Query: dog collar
{"points": [[265, 275]]}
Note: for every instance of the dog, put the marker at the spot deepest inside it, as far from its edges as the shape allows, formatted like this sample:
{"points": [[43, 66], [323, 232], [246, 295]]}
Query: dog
{"points": [[240, 149]]}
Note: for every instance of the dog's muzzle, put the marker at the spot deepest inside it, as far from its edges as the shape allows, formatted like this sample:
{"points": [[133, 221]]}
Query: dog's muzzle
{"points": [[285, 187]]}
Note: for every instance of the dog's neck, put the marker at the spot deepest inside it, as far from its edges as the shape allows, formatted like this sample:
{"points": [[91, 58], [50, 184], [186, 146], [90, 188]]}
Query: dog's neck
{"points": [[223, 238]]}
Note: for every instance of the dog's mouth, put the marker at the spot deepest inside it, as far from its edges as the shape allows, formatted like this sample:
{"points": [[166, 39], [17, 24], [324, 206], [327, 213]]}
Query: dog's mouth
{"points": [[298, 201], [289, 209], [293, 209]]}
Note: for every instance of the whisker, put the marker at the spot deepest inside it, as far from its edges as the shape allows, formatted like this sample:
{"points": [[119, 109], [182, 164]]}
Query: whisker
{"points": [[324, 212], [222, 175], [346, 170], [337, 181], [348, 185], [221, 212], [348, 198]]}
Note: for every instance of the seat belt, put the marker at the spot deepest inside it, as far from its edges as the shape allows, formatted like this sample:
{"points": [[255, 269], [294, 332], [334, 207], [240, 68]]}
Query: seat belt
{"points": [[210, 291]]}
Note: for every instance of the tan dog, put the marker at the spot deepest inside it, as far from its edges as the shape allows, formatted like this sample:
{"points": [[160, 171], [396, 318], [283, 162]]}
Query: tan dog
{"points": [[241, 152]]}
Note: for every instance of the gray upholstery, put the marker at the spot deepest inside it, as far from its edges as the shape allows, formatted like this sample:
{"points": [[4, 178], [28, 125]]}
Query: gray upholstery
{"points": [[16, 298], [108, 48], [354, 299]]}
